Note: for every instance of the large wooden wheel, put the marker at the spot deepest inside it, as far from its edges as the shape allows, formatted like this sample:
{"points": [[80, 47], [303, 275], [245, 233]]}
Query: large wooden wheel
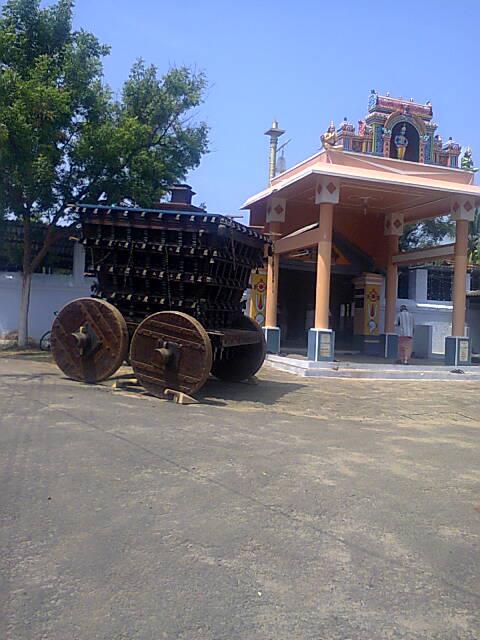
{"points": [[89, 340], [171, 350], [243, 362]]}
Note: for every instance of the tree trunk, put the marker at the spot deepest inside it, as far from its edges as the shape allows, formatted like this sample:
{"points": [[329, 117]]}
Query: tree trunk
{"points": [[24, 305], [30, 265], [26, 282]]}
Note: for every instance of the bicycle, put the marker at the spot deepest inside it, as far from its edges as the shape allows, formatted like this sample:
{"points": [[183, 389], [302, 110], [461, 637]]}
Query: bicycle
{"points": [[45, 341]]}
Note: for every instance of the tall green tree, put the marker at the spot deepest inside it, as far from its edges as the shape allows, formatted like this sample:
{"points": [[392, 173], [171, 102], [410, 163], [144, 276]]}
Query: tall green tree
{"points": [[474, 239], [427, 233], [434, 231], [64, 138]]}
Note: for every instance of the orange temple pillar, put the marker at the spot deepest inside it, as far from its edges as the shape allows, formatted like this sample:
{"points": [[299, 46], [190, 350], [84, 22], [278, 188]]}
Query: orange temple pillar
{"points": [[394, 223], [459, 278], [324, 257], [391, 285], [458, 346], [272, 281], [321, 339], [275, 217]]}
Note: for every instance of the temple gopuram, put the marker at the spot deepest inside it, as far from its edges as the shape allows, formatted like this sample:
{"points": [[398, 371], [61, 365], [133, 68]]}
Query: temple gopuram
{"points": [[397, 128], [336, 220]]}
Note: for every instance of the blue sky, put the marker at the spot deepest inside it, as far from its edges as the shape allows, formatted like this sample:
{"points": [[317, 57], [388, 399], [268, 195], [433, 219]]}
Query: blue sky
{"points": [[303, 62]]}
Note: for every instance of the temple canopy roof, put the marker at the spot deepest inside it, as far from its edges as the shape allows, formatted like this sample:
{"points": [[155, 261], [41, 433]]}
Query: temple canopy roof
{"points": [[375, 184]]}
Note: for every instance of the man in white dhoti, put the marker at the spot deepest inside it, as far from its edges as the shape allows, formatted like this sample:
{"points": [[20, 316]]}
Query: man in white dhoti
{"points": [[405, 324]]}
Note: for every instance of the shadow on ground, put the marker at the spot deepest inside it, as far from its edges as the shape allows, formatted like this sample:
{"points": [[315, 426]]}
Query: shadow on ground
{"points": [[265, 392], [218, 393]]}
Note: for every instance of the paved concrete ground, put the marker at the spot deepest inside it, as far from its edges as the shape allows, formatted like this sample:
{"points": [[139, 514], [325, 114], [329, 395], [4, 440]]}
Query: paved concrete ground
{"points": [[294, 509]]}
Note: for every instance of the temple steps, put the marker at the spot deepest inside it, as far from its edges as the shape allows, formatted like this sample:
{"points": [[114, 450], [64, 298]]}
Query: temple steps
{"points": [[300, 366]]}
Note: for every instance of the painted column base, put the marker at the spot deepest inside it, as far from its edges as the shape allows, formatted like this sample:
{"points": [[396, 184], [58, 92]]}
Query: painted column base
{"points": [[458, 351], [321, 344], [272, 338], [389, 345]]}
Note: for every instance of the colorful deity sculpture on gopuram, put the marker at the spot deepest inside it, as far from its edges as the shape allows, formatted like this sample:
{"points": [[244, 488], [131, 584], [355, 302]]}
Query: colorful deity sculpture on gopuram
{"points": [[467, 161], [400, 129], [329, 138], [401, 142]]}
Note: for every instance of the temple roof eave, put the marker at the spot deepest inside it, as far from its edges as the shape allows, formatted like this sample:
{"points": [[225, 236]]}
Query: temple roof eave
{"points": [[275, 188], [353, 174]]}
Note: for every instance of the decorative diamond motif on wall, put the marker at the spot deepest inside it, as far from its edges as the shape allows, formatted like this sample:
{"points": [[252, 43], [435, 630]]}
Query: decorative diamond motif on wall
{"points": [[463, 209], [393, 224], [331, 187], [276, 208], [327, 190]]}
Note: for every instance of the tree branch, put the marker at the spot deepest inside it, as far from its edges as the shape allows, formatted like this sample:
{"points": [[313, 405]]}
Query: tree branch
{"points": [[49, 240]]}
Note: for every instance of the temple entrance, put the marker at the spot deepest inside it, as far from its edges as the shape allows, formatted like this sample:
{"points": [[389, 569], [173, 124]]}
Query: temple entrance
{"points": [[342, 310], [296, 306], [412, 151]]}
